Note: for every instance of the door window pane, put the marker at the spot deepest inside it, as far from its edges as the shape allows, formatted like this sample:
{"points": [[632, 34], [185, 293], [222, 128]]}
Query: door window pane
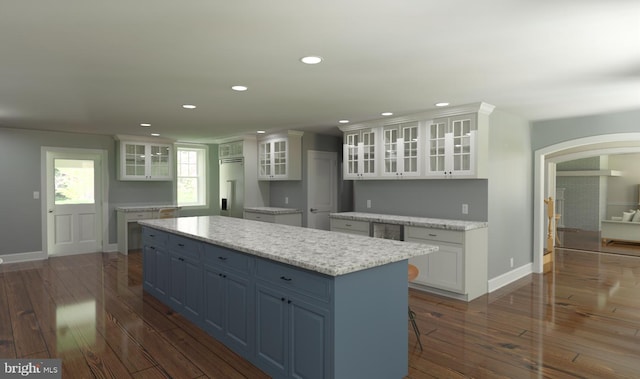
{"points": [[74, 181]]}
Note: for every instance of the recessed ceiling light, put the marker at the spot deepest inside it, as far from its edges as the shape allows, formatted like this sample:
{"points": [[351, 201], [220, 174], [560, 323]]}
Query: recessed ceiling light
{"points": [[344, 121], [145, 125], [239, 88], [155, 134], [311, 59], [386, 114], [189, 106], [442, 104], [260, 132]]}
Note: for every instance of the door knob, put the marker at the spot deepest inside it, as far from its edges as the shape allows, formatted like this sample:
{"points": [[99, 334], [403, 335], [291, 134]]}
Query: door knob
{"points": [[50, 210]]}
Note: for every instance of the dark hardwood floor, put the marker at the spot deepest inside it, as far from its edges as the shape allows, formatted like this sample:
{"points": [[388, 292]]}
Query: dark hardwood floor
{"points": [[581, 320]]}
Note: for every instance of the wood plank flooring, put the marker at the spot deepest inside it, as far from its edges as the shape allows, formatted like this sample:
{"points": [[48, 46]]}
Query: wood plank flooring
{"points": [[582, 320]]}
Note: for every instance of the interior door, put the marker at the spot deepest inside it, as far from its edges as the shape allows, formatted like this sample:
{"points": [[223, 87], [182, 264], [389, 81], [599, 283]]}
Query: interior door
{"points": [[322, 190], [74, 199]]}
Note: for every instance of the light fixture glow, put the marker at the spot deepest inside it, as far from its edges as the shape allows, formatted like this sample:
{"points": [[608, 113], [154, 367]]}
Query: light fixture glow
{"points": [[442, 104], [260, 132], [344, 121], [239, 88], [189, 106], [144, 124], [156, 135], [311, 59], [386, 114]]}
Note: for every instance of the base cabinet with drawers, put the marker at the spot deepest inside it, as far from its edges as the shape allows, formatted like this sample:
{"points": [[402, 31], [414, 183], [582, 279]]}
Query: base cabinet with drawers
{"points": [[460, 264], [360, 228], [288, 321]]}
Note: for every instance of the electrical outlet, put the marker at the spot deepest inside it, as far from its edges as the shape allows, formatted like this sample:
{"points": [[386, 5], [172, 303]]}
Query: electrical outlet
{"points": [[465, 209], [36, 195], [368, 203], [511, 262], [286, 199]]}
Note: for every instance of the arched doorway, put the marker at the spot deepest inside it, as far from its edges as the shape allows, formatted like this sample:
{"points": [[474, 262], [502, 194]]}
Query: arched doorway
{"points": [[545, 161]]}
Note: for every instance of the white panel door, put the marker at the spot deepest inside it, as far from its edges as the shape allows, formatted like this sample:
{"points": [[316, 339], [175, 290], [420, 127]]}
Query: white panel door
{"points": [[74, 198], [322, 190]]}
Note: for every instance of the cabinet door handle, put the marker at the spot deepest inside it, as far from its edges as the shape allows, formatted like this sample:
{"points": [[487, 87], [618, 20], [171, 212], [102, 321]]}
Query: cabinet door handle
{"points": [[152, 235], [432, 235], [152, 248], [181, 259], [181, 244], [347, 224], [282, 299], [222, 258], [285, 279], [288, 301]]}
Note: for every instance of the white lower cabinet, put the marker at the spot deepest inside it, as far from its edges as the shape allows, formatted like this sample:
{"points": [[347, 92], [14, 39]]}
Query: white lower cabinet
{"points": [[460, 264], [350, 226]]}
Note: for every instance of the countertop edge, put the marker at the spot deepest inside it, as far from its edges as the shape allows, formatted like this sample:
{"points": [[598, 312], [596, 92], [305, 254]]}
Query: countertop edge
{"points": [[458, 225], [272, 210]]}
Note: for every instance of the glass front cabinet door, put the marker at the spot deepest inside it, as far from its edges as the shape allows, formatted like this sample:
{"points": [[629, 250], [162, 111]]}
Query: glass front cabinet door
{"points": [[360, 154], [145, 161], [451, 145], [279, 157], [401, 144]]}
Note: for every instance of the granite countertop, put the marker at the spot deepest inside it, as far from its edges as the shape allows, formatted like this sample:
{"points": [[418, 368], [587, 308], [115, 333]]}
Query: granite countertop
{"points": [[144, 208], [322, 251], [272, 210], [437, 223]]}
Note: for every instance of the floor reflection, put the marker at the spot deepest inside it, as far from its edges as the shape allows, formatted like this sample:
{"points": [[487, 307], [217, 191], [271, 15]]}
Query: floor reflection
{"points": [[77, 319]]}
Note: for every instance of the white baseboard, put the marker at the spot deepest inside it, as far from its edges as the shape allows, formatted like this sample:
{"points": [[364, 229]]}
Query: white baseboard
{"points": [[510, 277], [111, 248], [23, 257]]}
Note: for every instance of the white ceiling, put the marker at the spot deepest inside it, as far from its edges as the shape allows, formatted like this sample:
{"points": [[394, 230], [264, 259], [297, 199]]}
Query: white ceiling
{"points": [[107, 66]]}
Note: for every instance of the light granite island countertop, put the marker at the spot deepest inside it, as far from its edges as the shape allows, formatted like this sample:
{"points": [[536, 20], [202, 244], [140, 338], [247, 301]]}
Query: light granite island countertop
{"points": [[316, 250], [296, 302]]}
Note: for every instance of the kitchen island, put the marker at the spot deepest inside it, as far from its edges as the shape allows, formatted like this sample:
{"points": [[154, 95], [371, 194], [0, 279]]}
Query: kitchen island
{"points": [[296, 302]]}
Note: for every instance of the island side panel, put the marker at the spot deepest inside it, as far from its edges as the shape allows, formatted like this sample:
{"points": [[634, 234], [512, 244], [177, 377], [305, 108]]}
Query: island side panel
{"points": [[371, 323]]}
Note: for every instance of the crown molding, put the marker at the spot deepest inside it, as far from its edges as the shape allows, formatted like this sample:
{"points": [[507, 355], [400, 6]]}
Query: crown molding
{"points": [[480, 107]]}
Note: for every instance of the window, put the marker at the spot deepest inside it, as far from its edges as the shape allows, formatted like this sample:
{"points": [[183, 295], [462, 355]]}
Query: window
{"points": [[191, 180]]}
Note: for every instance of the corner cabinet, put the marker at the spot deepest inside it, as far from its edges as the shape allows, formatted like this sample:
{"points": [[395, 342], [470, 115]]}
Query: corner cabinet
{"points": [[280, 156], [140, 160], [448, 143]]}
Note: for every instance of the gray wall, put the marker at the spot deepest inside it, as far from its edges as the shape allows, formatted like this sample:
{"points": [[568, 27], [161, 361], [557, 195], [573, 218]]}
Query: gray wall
{"points": [[582, 194], [20, 160], [423, 198], [551, 132], [623, 191], [296, 190], [510, 193]]}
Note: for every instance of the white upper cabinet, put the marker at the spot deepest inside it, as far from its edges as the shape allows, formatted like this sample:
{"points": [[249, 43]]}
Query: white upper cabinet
{"points": [[442, 143], [402, 150], [452, 147], [230, 149], [280, 156], [141, 160], [360, 154]]}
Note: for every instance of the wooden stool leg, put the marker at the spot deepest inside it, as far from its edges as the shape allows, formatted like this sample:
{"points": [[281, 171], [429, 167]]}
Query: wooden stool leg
{"points": [[412, 318]]}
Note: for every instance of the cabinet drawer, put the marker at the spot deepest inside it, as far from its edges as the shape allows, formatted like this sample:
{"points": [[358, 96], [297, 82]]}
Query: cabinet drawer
{"points": [[359, 227], [221, 257], [433, 234], [132, 216], [306, 283], [185, 246], [260, 217], [154, 236]]}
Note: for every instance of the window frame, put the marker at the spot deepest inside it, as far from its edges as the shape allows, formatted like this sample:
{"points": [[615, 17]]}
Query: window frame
{"points": [[202, 152]]}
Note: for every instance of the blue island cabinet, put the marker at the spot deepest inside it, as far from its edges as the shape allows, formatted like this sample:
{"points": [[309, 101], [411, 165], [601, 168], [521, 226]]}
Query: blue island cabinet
{"points": [[288, 321], [229, 298]]}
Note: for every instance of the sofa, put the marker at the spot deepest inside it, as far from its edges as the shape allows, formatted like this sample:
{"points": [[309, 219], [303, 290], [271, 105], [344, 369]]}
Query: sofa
{"points": [[626, 228]]}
